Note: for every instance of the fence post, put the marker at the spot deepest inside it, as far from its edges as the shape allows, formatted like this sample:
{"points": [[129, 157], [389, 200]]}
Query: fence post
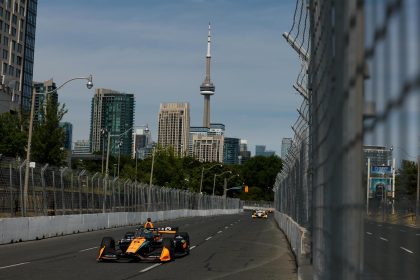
{"points": [[79, 182], [21, 189], [44, 194], [63, 207], [104, 194], [11, 190]]}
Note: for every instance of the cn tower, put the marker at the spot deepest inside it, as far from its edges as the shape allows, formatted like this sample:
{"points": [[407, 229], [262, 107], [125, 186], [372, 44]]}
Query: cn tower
{"points": [[207, 88]]}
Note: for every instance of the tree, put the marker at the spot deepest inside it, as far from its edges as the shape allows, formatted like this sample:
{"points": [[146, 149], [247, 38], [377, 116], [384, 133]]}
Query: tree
{"points": [[48, 136], [261, 172], [406, 180], [12, 137]]}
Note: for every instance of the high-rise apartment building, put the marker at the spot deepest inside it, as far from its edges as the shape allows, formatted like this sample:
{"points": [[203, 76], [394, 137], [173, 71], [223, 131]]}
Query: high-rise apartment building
{"points": [[244, 154], [378, 155], [40, 92], [68, 134], [231, 150], [112, 114], [17, 41], [81, 147], [199, 146], [260, 151], [286, 143], [142, 138], [174, 127], [207, 148]]}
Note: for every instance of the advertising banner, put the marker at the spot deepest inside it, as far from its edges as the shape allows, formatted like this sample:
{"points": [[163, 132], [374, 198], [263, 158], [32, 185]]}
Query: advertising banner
{"points": [[380, 185], [381, 170]]}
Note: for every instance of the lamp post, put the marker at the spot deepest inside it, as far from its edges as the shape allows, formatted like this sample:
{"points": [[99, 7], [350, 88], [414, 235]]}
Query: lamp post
{"points": [[108, 146], [119, 156], [215, 175], [151, 169], [202, 173], [103, 131], [225, 184], [89, 85]]}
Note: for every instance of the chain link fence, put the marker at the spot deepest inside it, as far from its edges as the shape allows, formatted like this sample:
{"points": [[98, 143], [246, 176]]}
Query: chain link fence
{"points": [[61, 191], [360, 84]]}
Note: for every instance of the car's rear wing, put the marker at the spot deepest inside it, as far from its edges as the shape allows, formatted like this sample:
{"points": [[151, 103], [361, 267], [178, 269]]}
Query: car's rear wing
{"points": [[167, 230]]}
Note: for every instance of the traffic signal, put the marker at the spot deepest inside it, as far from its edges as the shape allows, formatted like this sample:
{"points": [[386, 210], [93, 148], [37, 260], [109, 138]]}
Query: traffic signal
{"points": [[246, 188]]}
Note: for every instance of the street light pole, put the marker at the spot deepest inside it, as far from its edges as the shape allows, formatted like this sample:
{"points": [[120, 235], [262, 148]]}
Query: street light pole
{"points": [[119, 156], [89, 85], [103, 131], [151, 170], [215, 175], [202, 173], [225, 184]]}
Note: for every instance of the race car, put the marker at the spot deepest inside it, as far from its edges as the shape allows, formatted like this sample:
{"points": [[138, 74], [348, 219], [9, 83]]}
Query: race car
{"points": [[146, 244], [259, 214]]}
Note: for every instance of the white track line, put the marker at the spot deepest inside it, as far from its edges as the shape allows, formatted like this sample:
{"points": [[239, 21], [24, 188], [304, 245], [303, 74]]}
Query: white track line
{"points": [[13, 265], [150, 267], [384, 239], [405, 249], [402, 230], [208, 238], [219, 231], [192, 247], [88, 249], [367, 232], [417, 234]]}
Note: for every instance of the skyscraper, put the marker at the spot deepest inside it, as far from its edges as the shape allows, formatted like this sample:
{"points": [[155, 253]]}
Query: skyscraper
{"points": [[174, 126], [231, 150], [142, 138], [259, 150], [18, 23], [40, 89], [112, 112], [207, 148], [207, 88]]}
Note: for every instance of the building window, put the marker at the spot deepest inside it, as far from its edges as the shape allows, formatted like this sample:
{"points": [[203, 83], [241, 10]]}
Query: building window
{"points": [[5, 54], [13, 31], [4, 68], [5, 41]]}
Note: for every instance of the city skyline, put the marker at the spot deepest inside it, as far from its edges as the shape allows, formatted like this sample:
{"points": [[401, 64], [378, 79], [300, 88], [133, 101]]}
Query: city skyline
{"points": [[155, 50]]}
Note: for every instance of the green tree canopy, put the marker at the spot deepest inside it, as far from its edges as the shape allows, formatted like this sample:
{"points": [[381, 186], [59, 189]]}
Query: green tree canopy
{"points": [[12, 137], [406, 180], [48, 136], [261, 172]]}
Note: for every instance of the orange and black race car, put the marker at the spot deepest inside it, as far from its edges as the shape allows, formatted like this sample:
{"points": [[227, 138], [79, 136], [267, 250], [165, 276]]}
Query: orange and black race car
{"points": [[146, 244]]}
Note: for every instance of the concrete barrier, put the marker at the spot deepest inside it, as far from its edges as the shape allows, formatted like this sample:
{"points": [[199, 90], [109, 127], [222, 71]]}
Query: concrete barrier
{"points": [[300, 242], [32, 228]]}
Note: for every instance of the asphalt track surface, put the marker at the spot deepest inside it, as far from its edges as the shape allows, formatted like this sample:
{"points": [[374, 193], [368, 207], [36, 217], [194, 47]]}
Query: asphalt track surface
{"points": [[222, 247], [391, 252]]}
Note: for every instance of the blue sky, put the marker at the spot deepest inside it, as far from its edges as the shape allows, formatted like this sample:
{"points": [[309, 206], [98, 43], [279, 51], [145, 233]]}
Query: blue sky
{"points": [[156, 50]]}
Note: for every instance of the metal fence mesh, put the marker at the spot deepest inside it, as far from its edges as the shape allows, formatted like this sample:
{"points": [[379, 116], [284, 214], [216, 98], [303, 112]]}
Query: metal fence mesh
{"points": [[361, 88], [55, 191]]}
